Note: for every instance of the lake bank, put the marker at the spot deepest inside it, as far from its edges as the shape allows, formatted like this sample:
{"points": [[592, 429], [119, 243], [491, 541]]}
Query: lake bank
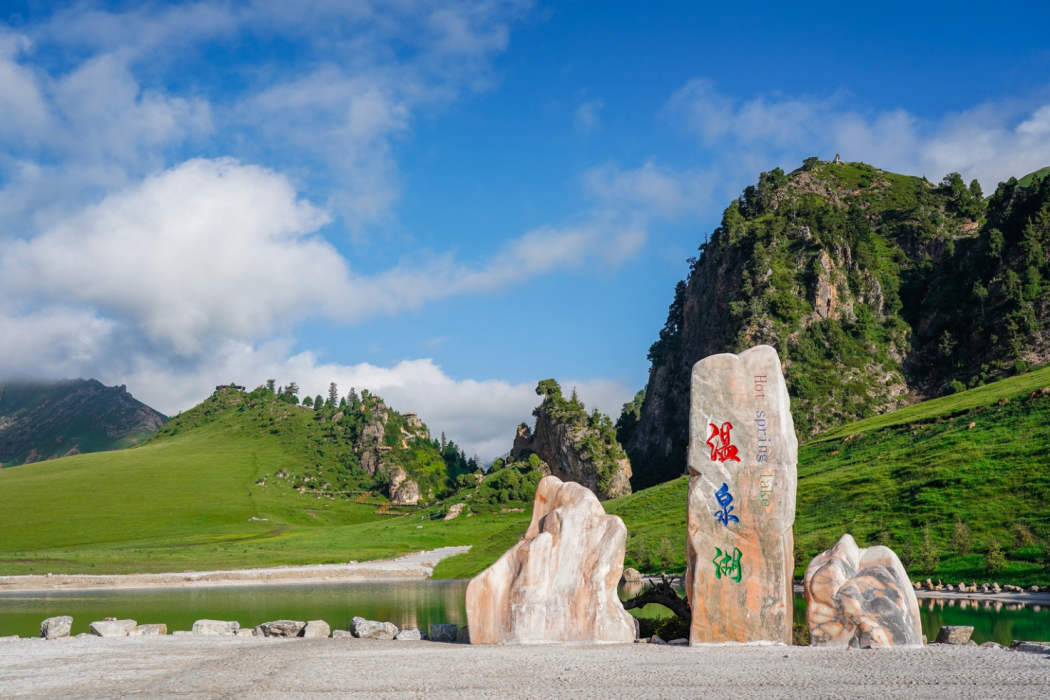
{"points": [[202, 667], [415, 566]]}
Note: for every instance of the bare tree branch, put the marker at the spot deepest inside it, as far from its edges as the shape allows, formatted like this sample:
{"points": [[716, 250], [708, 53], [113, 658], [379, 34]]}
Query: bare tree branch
{"points": [[663, 593]]}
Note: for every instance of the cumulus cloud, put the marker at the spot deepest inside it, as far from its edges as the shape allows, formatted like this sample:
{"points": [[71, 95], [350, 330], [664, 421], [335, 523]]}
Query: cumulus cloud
{"points": [[990, 141]]}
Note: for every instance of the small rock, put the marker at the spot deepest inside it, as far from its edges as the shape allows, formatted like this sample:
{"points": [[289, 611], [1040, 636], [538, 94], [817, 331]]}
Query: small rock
{"points": [[181, 633], [112, 628], [954, 634], [56, 627], [341, 634], [12, 638], [463, 636], [244, 632], [215, 627], [992, 645], [370, 629], [316, 629], [996, 589], [280, 628], [1031, 647], [444, 633], [985, 588], [678, 642], [656, 640], [148, 631], [1033, 589], [949, 587], [409, 636], [641, 641], [631, 576]]}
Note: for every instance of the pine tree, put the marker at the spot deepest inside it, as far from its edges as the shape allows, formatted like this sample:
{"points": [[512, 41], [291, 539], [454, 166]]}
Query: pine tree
{"points": [[318, 402], [351, 398], [270, 383], [342, 403], [929, 557], [443, 441], [962, 540], [292, 389], [333, 395], [308, 402], [995, 559]]}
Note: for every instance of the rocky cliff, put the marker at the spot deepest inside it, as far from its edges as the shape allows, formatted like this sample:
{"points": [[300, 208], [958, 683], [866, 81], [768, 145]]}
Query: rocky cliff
{"points": [[47, 420], [876, 289], [574, 445]]}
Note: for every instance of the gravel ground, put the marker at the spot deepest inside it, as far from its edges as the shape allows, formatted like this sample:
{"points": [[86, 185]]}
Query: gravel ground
{"points": [[216, 667]]}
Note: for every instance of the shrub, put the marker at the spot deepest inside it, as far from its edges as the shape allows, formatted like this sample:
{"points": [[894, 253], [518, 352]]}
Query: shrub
{"points": [[929, 556], [800, 635], [957, 386], [962, 540], [995, 559]]}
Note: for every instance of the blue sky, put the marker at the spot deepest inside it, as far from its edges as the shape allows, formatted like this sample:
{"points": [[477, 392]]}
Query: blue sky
{"points": [[443, 202]]}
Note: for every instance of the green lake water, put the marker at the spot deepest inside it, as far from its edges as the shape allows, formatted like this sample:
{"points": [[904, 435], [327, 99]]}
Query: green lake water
{"points": [[406, 604]]}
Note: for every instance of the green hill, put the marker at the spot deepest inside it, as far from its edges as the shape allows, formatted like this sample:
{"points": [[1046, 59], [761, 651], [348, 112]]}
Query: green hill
{"points": [[48, 420]]}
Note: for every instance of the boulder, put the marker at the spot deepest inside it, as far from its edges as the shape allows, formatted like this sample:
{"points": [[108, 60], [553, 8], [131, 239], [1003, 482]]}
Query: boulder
{"points": [[1030, 647], [443, 633], [954, 634], [741, 504], [631, 576], [56, 627], [409, 636], [315, 629], [463, 636], [112, 628], [860, 598], [992, 645], [558, 583], [341, 634], [370, 629], [148, 631], [215, 627], [280, 628]]}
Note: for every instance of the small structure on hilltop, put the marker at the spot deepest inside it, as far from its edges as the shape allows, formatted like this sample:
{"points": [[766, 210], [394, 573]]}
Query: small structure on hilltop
{"points": [[860, 598], [741, 505], [837, 161], [558, 583], [235, 387]]}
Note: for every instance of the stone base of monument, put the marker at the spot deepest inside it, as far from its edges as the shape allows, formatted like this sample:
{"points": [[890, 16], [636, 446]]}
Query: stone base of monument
{"points": [[860, 598], [558, 583]]}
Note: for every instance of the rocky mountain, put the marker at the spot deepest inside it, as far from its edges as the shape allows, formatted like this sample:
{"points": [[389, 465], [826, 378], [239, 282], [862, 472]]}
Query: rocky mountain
{"points": [[344, 443], [47, 420], [877, 289], [574, 445]]}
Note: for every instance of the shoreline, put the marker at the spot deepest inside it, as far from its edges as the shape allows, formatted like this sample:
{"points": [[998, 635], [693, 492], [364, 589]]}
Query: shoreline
{"points": [[414, 566]]}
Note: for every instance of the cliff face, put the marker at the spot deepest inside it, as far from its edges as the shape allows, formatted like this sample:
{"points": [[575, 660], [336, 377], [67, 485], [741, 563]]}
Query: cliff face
{"points": [[576, 447], [47, 420], [876, 289]]}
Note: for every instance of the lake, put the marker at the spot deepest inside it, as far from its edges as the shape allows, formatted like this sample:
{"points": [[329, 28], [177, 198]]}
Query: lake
{"points": [[406, 604]]}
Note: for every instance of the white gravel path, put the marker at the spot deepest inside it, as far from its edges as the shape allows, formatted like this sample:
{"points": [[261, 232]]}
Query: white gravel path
{"points": [[202, 667]]}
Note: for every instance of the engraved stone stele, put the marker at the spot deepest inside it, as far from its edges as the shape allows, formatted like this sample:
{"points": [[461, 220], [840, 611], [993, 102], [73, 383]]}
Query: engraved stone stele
{"points": [[860, 598], [741, 505], [558, 583]]}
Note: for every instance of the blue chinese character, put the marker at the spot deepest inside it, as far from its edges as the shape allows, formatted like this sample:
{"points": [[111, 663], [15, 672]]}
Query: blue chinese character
{"points": [[724, 499]]}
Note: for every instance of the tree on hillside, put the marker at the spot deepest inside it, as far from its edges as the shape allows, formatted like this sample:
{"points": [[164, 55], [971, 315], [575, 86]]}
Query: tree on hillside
{"points": [[333, 395], [270, 384], [291, 389], [308, 402], [342, 403], [318, 402], [351, 398]]}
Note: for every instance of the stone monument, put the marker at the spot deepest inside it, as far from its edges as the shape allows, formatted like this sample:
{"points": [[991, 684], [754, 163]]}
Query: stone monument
{"points": [[741, 506], [860, 598], [558, 583]]}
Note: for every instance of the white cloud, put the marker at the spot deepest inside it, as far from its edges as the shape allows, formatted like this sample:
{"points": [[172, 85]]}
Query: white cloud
{"points": [[586, 115], [990, 142]]}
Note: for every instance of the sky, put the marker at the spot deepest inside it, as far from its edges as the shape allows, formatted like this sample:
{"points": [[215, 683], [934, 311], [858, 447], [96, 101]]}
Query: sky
{"points": [[443, 202]]}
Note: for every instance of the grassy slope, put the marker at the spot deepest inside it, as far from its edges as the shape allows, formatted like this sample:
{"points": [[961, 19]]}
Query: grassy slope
{"points": [[187, 499]]}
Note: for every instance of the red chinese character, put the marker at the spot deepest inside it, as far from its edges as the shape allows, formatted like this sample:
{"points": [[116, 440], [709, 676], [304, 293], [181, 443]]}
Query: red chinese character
{"points": [[722, 449]]}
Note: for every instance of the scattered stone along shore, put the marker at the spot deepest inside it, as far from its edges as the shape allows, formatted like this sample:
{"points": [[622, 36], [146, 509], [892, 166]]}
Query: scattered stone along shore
{"points": [[419, 565], [230, 666]]}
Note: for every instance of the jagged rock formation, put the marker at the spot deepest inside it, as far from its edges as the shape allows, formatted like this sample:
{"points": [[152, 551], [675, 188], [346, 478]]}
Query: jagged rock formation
{"points": [[876, 289], [575, 446], [741, 505], [558, 584], [48, 420], [860, 598]]}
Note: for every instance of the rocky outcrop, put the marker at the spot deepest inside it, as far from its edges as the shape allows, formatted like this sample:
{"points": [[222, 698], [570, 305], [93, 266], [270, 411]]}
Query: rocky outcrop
{"points": [[558, 584], [56, 627], [403, 491], [575, 450], [741, 504], [860, 598], [48, 420]]}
